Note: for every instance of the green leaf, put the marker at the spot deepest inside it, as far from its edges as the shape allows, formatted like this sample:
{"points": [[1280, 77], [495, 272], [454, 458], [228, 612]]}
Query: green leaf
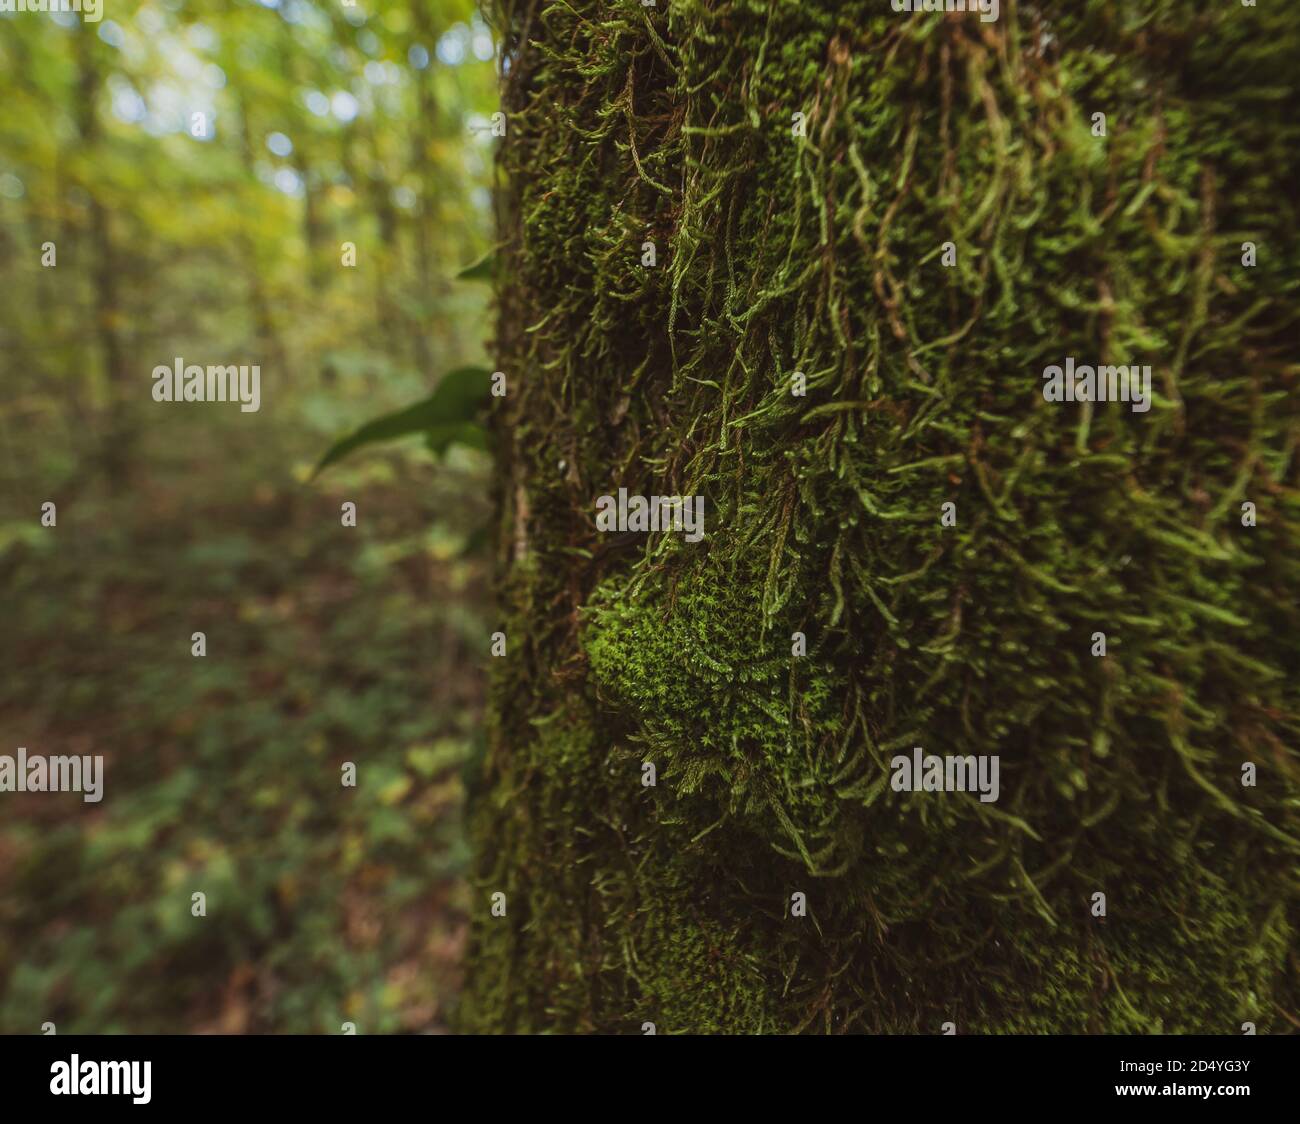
{"points": [[452, 406], [478, 540], [439, 438], [485, 269]]}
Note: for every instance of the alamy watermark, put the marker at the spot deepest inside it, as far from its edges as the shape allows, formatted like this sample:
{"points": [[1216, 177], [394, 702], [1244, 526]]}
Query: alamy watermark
{"points": [[92, 11], [988, 9], [181, 383], [926, 772], [656, 513], [1104, 383], [90, 1078], [53, 774]]}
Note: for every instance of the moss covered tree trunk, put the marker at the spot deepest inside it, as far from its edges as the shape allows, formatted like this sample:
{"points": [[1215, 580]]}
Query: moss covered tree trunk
{"points": [[789, 257]]}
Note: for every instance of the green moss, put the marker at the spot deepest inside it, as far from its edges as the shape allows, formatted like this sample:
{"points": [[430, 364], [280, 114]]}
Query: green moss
{"points": [[821, 254]]}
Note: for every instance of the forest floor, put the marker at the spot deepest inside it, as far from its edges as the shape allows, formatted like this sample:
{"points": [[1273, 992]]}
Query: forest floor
{"points": [[325, 644]]}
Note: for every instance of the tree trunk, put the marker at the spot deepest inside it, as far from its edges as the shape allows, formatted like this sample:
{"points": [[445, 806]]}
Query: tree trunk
{"points": [[775, 877], [117, 447]]}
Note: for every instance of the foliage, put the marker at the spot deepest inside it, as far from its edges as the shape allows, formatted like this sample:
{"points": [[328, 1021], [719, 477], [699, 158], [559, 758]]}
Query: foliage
{"points": [[324, 125], [446, 416]]}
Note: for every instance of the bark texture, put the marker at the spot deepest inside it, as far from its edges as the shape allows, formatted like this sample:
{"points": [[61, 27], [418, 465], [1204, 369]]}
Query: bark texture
{"points": [[822, 254]]}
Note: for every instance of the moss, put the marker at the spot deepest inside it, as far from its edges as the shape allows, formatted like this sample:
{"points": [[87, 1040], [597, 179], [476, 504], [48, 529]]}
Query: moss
{"points": [[821, 254]]}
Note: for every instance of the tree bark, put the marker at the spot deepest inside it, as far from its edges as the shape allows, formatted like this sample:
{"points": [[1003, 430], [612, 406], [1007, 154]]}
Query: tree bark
{"points": [[117, 446], [968, 631]]}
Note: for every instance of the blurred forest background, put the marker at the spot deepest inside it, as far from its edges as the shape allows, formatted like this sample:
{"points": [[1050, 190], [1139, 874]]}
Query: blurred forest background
{"points": [[198, 167]]}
